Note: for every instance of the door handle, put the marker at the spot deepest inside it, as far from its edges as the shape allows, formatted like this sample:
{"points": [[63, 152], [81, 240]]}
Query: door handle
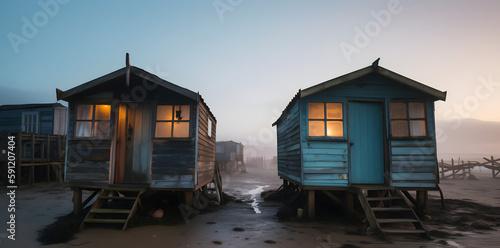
{"points": [[130, 131], [351, 143]]}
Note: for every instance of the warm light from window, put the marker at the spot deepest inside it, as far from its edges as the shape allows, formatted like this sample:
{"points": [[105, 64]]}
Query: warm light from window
{"points": [[325, 119], [316, 128], [316, 110], [334, 129], [102, 112], [172, 121]]}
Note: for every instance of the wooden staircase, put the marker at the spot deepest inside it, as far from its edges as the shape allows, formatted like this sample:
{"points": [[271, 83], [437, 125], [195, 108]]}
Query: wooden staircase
{"points": [[116, 208], [389, 212]]}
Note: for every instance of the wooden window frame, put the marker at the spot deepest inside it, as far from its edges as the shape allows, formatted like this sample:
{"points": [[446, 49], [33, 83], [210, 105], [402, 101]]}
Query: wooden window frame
{"points": [[93, 121], [325, 120], [34, 124], [408, 120], [173, 120]]}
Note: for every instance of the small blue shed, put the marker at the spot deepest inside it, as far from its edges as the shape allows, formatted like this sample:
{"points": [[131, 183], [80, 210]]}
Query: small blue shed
{"points": [[371, 127], [44, 118]]}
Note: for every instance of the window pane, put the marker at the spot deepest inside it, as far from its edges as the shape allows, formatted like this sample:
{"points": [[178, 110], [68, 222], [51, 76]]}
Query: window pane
{"points": [[84, 112], [83, 129], [182, 112], [334, 110], [26, 123], [163, 130], [164, 112], [416, 110], [101, 129], [398, 110], [103, 112], [316, 110], [209, 127], [334, 129], [417, 128], [181, 130], [399, 128], [316, 128]]}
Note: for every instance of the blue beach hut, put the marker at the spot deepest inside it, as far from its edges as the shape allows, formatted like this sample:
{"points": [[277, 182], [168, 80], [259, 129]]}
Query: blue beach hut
{"points": [[368, 130]]}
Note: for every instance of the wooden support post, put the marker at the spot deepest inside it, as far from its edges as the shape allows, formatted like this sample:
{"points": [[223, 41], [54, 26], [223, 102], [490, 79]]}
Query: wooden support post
{"points": [[452, 169], [77, 201], [48, 158], [442, 169], [32, 167], [189, 198], [422, 202], [349, 199], [310, 204], [492, 167]]}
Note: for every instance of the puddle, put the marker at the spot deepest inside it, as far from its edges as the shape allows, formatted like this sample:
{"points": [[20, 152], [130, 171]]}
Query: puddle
{"points": [[255, 197], [453, 243]]}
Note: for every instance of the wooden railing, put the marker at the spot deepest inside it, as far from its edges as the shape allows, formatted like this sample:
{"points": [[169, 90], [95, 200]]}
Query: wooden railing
{"points": [[462, 169], [32, 150]]}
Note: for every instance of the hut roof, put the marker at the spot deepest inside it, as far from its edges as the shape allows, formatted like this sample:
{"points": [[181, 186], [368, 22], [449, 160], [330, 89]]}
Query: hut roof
{"points": [[31, 106], [64, 95], [372, 69]]}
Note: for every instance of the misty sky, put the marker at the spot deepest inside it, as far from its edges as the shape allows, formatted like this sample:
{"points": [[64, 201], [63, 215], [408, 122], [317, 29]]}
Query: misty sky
{"points": [[248, 58]]}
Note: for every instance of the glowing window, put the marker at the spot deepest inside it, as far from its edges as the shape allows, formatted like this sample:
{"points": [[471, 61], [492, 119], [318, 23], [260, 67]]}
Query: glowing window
{"points": [[172, 121], [325, 119], [408, 119], [93, 120]]}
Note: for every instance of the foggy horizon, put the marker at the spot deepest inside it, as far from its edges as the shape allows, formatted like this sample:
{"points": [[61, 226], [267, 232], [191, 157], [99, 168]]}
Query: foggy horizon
{"points": [[249, 58]]}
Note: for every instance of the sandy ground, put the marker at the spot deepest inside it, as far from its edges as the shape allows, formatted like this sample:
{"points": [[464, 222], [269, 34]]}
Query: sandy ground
{"points": [[252, 222]]}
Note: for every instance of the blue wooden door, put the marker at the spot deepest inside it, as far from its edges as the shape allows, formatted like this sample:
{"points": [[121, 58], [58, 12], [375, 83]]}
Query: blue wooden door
{"points": [[366, 142]]}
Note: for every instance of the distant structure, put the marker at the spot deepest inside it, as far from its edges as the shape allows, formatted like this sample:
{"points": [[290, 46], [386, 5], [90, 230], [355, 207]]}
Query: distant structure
{"points": [[229, 156], [39, 131], [371, 132], [45, 118], [130, 132]]}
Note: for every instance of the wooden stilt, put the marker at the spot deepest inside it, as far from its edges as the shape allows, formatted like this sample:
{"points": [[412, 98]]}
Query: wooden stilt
{"points": [[310, 204], [422, 202], [349, 199], [77, 201], [189, 198]]}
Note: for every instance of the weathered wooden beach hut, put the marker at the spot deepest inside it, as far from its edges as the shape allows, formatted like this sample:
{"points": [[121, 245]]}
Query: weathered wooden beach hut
{"points": [[131, 131], [369, 133], [229, 155]]}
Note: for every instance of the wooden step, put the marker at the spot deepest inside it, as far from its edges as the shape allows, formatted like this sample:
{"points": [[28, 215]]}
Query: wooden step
{"points": [[390, 209], [404, 231], [383, 198], [109, 211], [117, 198], [107, 221], [396, 220]]}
